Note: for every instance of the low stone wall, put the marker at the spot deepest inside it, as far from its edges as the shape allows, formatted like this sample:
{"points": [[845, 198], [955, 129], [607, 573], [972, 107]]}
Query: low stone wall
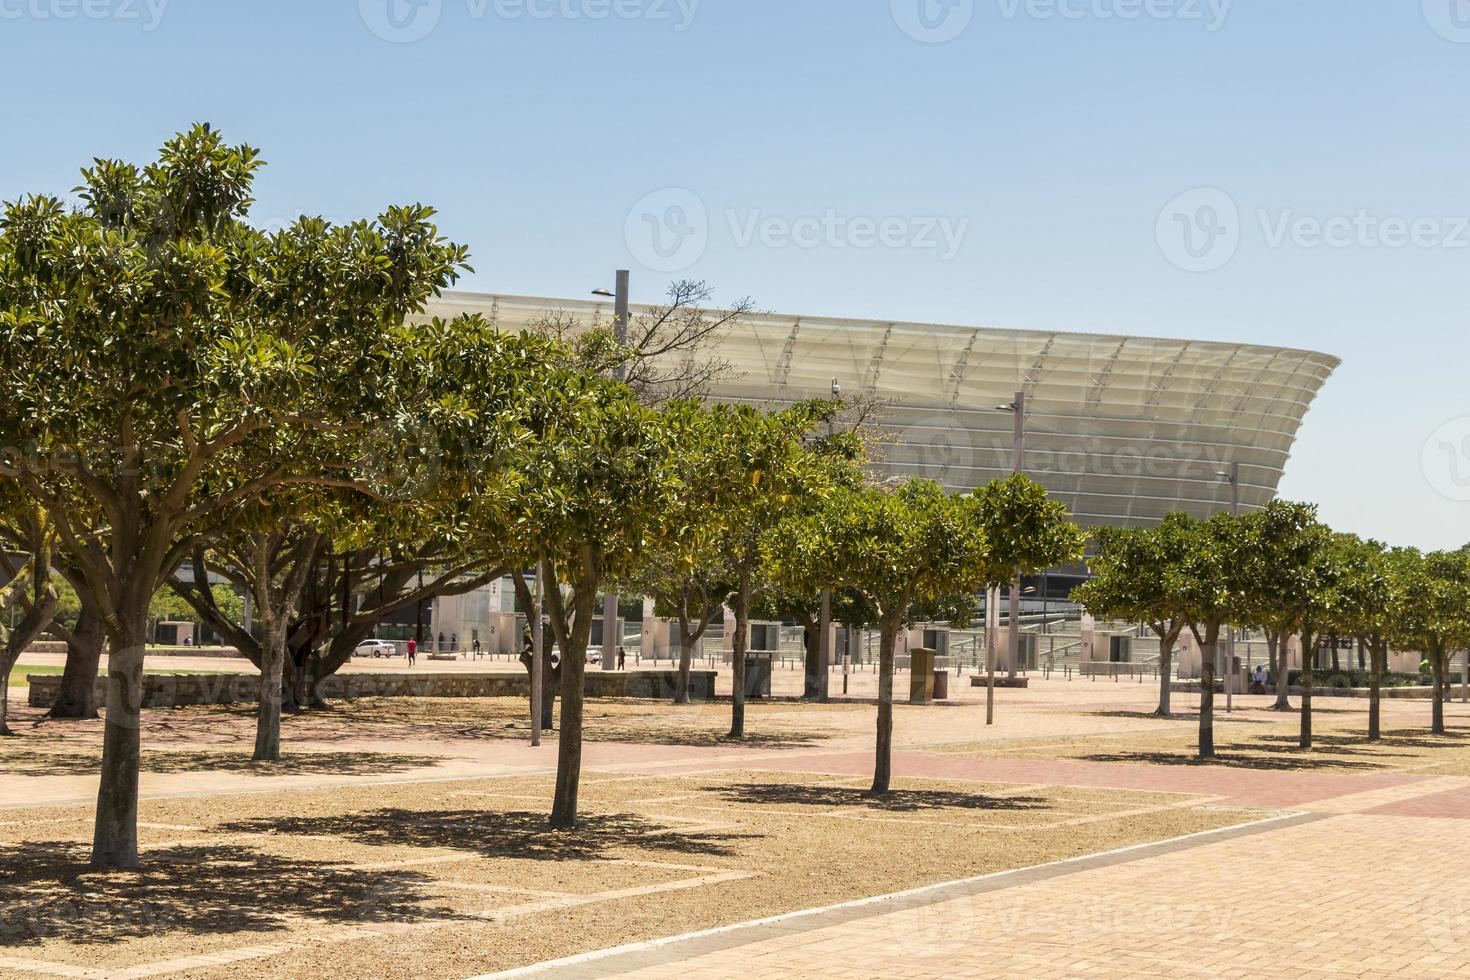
{"points": [[228, 653], [175, 691]]}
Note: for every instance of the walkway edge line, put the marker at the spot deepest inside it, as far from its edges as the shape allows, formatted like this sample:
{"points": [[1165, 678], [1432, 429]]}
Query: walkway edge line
{"points": [[649, 945]]}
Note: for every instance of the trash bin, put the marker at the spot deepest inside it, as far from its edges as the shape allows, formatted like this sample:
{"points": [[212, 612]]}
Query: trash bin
{"points": [[757, 675], [921, 676]]}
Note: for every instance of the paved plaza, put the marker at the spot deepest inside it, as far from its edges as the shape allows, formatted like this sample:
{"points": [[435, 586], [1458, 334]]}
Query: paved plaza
{"points": [[1075, 838]]}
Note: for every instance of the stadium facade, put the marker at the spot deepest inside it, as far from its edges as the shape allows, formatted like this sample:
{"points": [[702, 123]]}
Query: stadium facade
{"points": [[1122, 429]]}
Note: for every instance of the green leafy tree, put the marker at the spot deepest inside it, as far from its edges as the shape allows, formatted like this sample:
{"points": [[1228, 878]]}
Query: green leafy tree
{"points": [[167, 606], [193, 364], [30, 585], [687, 583], [1291, 569], [752, 470], [594, 472], [895, 548], [1207, 586], [1433, 613], [1028, 532], [1131, 581], [1367, 595]]}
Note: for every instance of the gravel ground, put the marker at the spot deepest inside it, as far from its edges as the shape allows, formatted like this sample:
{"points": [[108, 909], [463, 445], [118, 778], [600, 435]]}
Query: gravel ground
{"points": [[449, 879], [1256, 739]]}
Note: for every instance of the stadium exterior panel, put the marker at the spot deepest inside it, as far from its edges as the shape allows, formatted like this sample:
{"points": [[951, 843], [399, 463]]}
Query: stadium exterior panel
{"points": [[1122, 429]]}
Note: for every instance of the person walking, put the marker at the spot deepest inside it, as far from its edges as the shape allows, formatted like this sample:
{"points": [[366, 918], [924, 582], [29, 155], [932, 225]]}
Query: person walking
{"points": [[476, 647], [413, 650], [622, 658]]}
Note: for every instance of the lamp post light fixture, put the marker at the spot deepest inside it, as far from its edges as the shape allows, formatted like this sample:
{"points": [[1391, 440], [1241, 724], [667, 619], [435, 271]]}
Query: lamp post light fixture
{"points": [[1232, 477], [824, 625], [611, 635], [1017, 408], [538, 655]]}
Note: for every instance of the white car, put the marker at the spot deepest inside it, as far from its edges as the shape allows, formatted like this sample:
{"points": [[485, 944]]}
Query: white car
{"points": [[594, 656], [375, 648]]}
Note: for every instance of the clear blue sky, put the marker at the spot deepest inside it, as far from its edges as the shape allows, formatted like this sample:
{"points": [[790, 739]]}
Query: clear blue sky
{"points": [[1053, 133]]}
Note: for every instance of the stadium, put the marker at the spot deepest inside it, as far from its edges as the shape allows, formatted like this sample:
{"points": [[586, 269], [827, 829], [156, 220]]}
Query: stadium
{"points": [[1122, 429]]}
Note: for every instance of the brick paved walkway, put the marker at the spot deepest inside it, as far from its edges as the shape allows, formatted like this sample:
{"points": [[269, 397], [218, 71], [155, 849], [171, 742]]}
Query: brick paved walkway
{"points": [[1348, 895], [1367, 879]]}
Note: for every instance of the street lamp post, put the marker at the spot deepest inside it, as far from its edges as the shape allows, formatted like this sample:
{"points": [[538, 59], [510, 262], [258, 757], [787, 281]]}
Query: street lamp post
{"points": [[1018, 452], [992, 595], [824, 643], [611, 639], [1232, 477], [538, 656]]}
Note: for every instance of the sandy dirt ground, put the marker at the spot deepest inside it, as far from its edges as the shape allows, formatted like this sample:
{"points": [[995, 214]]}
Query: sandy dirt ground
{"points": [[407, 838]]}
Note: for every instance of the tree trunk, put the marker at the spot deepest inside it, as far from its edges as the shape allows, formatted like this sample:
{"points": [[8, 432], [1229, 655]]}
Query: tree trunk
{"points": [[37, 618], [573, 671], [5, 731], [1436, 664], [8, 658], [1166, 667], [550, 680], [1375, 684], [77, 699], [883, 764], [811, 689], [272, 687], [115, 832], [686, 656], [737, 658], [1309, 665], [299, 660], [1208, 649], [1283, 671]]}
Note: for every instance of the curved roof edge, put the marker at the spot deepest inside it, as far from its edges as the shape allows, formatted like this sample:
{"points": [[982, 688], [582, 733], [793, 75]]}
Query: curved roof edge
{"points": [[596, 307]]}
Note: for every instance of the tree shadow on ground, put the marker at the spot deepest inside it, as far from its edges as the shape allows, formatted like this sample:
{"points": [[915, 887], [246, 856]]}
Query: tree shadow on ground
{"points": [[1303, 762], [49, 893], [1355, 744], [636, 735], [493, 834], [31, 762], [1178, 714], [899, 800]]}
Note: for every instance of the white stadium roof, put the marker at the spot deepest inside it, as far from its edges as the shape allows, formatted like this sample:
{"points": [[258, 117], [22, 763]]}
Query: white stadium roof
{"points": [[1122, 429]]}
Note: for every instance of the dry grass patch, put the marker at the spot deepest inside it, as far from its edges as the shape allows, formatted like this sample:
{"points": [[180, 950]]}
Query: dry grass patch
{"points": [[775, 725], [1261, 740], [455, 878]]}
